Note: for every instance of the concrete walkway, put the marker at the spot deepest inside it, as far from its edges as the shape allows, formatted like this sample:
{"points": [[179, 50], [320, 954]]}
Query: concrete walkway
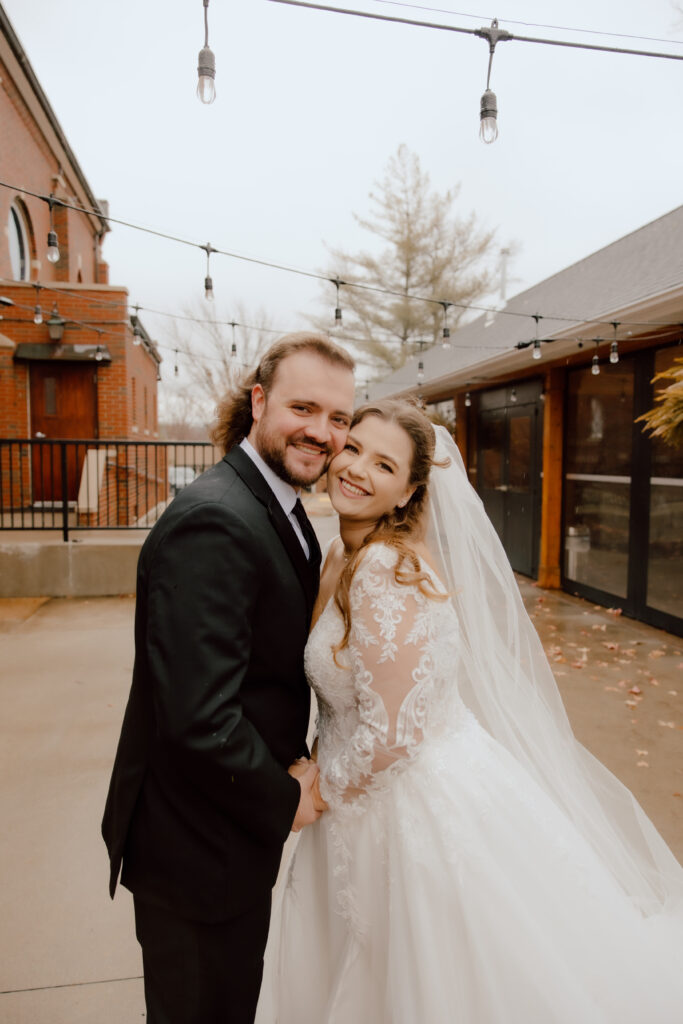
{"points": [[67, 954]]}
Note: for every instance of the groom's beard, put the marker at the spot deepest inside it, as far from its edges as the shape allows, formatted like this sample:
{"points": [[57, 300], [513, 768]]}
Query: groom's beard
{"points": [[274, 450]]}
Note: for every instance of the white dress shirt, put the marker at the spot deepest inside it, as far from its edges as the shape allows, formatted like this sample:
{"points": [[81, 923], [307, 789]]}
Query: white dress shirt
{"points": [[285, 493]]}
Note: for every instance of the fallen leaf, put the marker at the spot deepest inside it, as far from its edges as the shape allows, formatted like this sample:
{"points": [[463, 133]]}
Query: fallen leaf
{"points": [[601, 664], [667, 725], [578, 664], [612, 689], [672, 693], [642, 764], [657, 654], [631, 703], [642, 753], [631, 651], [602, 626], [653, 682], [614, 611], [610, 645], [635, 689]]}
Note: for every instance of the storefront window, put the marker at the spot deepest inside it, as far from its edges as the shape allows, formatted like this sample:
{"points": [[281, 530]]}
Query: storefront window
{"points": [[665, 561], [598, 477]]}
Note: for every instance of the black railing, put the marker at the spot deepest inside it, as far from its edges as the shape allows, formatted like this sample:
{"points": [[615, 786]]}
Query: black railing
{"points": [[72, 485]]}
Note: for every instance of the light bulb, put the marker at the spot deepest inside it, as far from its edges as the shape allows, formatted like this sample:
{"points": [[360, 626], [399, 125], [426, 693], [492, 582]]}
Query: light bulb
{"points": [[614, 353], [206, 67], [537, 349], [233, 350], [136, 337], [513, 395], [488, 129], [38, 315], [52, 247], [208, 288], [338, 317], [446, 338], [420, 372], [98, 354], [595, 368], [468, 400]]}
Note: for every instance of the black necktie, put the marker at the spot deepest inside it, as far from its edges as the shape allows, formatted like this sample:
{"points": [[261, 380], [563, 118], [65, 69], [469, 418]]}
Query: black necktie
{"points": [[308, 532]]}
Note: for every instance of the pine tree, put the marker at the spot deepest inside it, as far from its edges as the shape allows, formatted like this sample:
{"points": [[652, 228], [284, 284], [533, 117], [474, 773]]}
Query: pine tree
{"points": [[427, 251]]}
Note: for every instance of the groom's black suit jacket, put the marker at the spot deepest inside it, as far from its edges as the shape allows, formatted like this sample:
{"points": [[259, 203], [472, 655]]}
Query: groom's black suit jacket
{"points": [[200, 803]]}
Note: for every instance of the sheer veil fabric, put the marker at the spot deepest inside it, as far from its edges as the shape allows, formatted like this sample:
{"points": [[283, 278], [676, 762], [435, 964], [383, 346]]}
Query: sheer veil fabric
{"points": [[505, 679]]}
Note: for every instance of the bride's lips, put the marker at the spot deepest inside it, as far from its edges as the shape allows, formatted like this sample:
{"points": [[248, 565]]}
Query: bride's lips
{"points": [[352, 490]]}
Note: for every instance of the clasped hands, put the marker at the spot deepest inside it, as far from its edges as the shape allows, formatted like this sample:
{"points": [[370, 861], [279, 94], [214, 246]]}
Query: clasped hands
{"points": [[311, 803]]}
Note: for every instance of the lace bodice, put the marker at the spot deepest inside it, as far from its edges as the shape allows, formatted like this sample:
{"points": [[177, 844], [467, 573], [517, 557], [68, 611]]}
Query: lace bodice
{"points": [[394, 686]]}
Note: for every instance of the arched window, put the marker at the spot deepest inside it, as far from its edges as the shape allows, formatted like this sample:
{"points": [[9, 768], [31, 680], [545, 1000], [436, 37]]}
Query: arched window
{"points": [[19, 244]]}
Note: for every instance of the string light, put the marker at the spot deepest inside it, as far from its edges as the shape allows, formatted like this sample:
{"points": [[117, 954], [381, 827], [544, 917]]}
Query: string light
{"points": [[208, 283], [595, 367], [233, 348], [446, 334], [468, 400], [513, 395], [337, 311], [175, 368], [37, 312], [420, 372], [576, 320], [488, 114], [52, 240], [614, 347], [206, 65], [536, 354]]}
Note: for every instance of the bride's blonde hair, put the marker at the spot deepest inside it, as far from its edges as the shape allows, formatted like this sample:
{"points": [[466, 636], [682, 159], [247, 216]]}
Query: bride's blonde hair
{"points": [[402, 525]]}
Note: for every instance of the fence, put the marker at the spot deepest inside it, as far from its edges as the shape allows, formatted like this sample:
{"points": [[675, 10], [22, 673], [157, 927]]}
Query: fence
{"points": [[72, 485]]}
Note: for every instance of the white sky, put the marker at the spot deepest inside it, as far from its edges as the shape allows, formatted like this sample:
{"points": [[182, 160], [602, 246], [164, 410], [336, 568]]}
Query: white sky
{"points": [[311, 105]]}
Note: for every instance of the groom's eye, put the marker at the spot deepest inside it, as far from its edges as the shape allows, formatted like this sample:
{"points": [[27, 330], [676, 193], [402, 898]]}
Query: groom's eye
{"points": [[348, 447]]}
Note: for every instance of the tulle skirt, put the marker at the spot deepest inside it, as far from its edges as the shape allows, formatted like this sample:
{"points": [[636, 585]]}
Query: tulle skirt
{"points": [[458, 893]]}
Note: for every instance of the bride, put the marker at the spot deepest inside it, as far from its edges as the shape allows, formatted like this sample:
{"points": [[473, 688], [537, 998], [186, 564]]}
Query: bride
{"points": [[474, 864]]}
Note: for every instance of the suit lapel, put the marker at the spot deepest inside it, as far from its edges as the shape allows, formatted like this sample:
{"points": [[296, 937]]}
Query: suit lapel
{"points": [[308, 572]]}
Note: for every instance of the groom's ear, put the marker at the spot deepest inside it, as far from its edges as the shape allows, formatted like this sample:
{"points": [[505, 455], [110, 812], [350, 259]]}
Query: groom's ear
{"points": [[258, 402]]}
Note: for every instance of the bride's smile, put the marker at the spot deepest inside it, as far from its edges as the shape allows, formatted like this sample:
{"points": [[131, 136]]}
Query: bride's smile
{"points": [[370, 476]]}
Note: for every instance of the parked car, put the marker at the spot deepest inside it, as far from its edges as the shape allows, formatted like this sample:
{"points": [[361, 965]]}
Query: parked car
{"points": [[179, 477]]}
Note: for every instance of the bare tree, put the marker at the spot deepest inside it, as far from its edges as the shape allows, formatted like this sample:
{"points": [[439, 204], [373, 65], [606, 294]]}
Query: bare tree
{"points": [[428, 251], [210, 352]]}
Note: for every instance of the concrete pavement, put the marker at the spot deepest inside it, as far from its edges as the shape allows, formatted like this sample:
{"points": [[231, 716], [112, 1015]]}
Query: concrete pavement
{"points": [[67, 954]]}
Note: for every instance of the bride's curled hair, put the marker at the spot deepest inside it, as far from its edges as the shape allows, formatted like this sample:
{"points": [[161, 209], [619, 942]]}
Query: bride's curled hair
{"points": [[401, 527]]}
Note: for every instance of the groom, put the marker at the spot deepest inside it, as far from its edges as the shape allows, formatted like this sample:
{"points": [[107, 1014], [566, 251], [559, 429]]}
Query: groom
{"points": [[201, 799]]}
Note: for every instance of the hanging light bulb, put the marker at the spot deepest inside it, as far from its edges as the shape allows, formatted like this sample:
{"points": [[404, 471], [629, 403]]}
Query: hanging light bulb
{"points": [[468, 400], [337, 312], [233, 347], [488, 114], [595, 368], [37, 315], [536, 354], [420, 372], [98, 354], [614, 347], [208, 283], [52, 247], [513, 395], [446, 333], [52, 240], [175, 368], [206, 65]]}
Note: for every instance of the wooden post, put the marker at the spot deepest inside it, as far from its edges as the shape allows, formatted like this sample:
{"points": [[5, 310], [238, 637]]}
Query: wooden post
{"points": [[549, 570]]}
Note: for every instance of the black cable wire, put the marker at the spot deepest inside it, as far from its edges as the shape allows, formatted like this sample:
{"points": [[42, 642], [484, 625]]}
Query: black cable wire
{"points": [[475, 32]]}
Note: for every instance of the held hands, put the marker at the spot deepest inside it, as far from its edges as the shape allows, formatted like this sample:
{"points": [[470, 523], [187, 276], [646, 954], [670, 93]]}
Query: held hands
{"points": [[311, 804]]}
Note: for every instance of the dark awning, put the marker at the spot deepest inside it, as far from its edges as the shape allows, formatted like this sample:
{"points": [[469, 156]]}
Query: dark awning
{"points": [[62, 353]]}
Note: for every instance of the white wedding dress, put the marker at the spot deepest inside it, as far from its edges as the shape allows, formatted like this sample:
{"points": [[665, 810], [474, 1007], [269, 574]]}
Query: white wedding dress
{"points": [[443, 884]]}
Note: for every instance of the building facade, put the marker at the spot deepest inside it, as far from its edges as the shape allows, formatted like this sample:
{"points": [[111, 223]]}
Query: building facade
{"points": [[74, 364], [546, 398]]}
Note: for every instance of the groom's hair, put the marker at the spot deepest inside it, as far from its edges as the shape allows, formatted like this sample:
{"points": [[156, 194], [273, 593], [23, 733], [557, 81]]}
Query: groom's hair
{"points": [[233, 413]]}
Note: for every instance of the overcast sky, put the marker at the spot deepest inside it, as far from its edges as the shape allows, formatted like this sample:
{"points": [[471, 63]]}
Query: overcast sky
{"points": [[310, 105]]}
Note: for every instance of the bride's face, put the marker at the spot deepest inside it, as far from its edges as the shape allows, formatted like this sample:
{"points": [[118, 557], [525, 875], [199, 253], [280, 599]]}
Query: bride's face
{"points": [[370, 475]]}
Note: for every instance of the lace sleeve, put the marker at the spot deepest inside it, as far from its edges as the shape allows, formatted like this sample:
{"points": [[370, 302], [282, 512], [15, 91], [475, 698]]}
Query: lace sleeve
{"points": [[390, 658]]}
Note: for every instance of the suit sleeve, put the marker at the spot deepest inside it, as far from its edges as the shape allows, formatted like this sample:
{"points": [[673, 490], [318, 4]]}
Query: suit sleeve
{"points": [[203, 587]]}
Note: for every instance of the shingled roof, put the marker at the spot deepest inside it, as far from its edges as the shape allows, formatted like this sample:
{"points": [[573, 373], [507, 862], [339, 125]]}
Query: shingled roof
{"points": [[641, 271]]}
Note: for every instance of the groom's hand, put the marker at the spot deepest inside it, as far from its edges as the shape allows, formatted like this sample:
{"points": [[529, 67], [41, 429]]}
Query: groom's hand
{"points": [[305, 772]]}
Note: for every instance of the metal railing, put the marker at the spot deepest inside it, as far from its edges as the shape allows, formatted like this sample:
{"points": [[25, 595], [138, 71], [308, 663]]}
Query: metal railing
{"points": [[70, 485]]}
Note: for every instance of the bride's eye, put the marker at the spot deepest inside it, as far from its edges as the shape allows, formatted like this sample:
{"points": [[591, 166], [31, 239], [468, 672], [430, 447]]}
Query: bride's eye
{"points": [[348, 447]]}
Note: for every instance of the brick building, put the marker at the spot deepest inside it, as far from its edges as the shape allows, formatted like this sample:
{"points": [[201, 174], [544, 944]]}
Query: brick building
{"points": [[73, 362]]}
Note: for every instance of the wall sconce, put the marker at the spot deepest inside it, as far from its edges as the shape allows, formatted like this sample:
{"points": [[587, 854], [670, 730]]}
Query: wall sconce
{"points": [[55, 325]]}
